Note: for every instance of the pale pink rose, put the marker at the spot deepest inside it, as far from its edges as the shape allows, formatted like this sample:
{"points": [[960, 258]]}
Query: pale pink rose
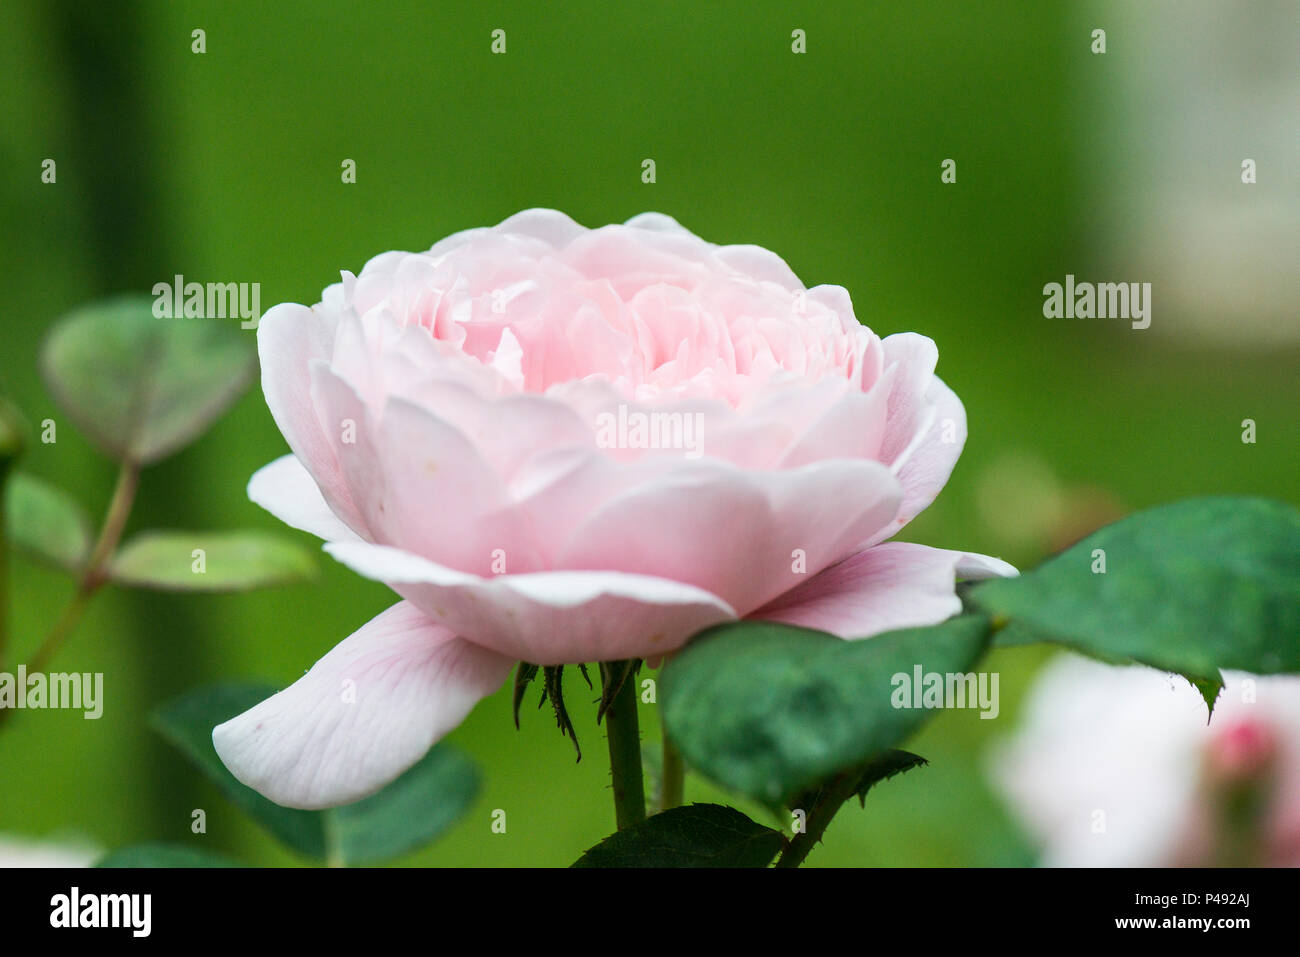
{"points": [[1117, 767], [463, 423]]}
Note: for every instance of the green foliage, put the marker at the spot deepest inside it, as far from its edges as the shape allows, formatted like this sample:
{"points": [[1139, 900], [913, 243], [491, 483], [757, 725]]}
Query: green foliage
{"points": [[885, 766], [553, 691], [46, 523], [409, 813], [1191, 587], [524, 675], [698, 835], [230, 561], [165, 855], [772, 710], [188, 722], [142, 387]]}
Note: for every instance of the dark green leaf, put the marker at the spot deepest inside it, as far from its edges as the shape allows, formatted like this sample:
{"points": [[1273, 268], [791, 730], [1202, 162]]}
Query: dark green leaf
{"points": [[188, 722], [861, 780], [1192, 587], [553, 691], [699, 835], [210, 561], [165, 855], [411, 812], [46, 523], [772, 710], [142, 387], [885, 766], [1209, 688], [524, 675]]}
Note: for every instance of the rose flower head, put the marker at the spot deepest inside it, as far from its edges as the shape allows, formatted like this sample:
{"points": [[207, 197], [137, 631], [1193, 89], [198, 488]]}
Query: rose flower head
{"points": [[562, 445]]}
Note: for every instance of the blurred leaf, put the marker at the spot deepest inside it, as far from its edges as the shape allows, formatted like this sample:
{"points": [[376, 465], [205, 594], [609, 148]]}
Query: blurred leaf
{"points": [[165, 855], [698, 835], [231, 561], [412, 811], [188, 722], [46, 523], [142, 387], [1192, 587], [772, 710]]}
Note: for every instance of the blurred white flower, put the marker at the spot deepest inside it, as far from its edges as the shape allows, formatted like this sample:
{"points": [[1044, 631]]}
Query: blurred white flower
{"points": [[18, 851], [1196, 93], [1116, 766]]}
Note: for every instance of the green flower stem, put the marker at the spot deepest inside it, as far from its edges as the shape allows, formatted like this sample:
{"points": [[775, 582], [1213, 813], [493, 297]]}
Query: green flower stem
{"points": [[674, 776], [333, 840], [95, 574], [819, 817], [624, 734], [67, 621], [119, 508]]}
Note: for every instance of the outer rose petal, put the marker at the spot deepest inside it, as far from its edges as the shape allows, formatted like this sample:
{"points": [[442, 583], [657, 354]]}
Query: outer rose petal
{"points": [[930, 461], [660, 223], [289, 338], [286, 490], [548, 225], [894, 585], [311, 747], [547, 618], [926, 426], [760, 263]]}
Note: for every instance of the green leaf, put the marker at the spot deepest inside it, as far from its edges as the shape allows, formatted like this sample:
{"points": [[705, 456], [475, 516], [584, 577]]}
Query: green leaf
{"points": [[142, 387], [698, 835], [524, 676], [165, 855], [210, 561], [46, 523], [885, 766], [1192, 587], [411, 812], [188, 722], [772, 710], [553, 691], [879, 768]]}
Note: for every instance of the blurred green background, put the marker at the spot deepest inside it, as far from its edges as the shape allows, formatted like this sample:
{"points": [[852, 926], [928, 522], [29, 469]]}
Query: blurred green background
{"points": [[225, 166]]}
